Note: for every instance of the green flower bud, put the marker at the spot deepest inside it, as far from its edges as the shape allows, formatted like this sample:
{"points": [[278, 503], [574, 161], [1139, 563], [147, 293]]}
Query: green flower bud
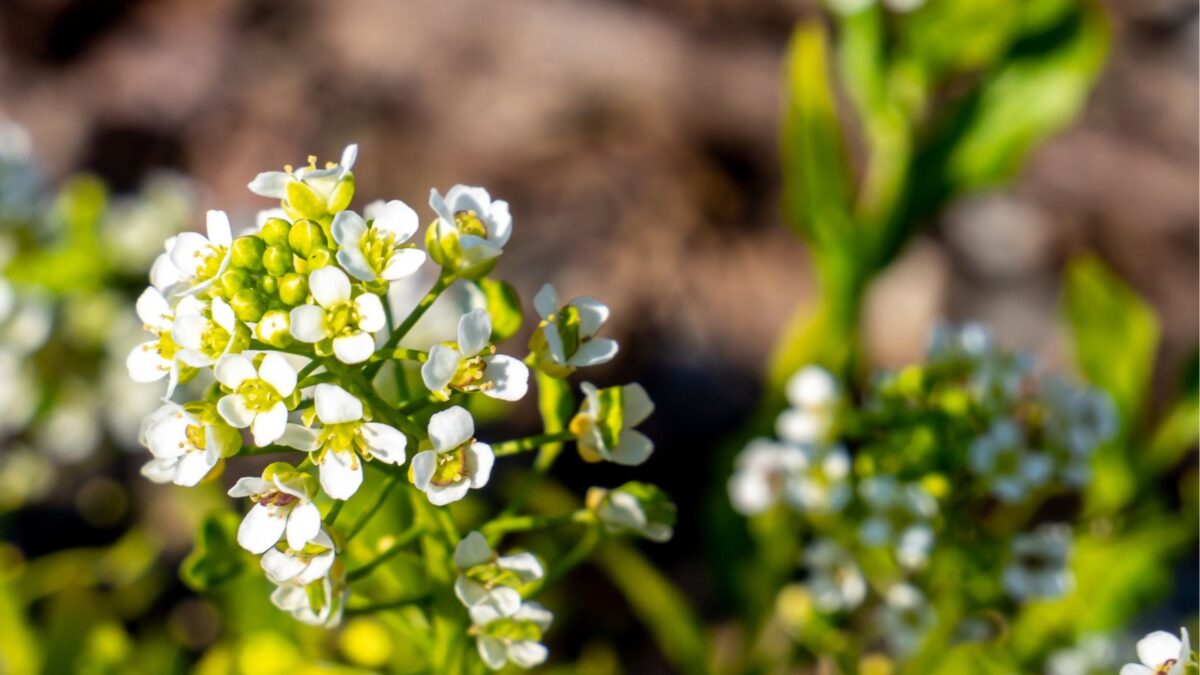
{"points": [[278, 260], [268, 285], [293, 289], [248, 305], [305, 202], [320, 257], [342, 193], [275, 231], [443, 246], [305, 236], [247, 253], [232, 281], [274, 328]]}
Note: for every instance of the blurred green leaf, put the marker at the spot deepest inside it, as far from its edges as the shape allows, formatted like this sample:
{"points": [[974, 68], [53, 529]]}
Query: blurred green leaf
{"points": [[216, 559], [1177, 433], [503, 305], [76, 262], [557, 406], [19, 654]]}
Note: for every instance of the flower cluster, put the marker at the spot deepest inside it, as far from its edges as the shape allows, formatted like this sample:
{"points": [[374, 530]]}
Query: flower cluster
{"points": [[884, 485], [285, 327]]}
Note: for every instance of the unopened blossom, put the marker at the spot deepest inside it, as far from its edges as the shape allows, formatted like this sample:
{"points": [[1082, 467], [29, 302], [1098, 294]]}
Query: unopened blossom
{"points": [[257, 395], [1161, 653], [761, 472], [487, 577], [822, 484], [344, 440], [378, 249], [185, 449], [835, 579], [349, 322], [200, 259], [1001, 458], [300, 565], [470, 231], [471, 364], [155, 359], [308, 191], [455, 462], [566, 338], [634, 508], [283, 506], [511, 636], [813, 395], [905, 618], [205, 334], [1039, 565], [603, 427]]}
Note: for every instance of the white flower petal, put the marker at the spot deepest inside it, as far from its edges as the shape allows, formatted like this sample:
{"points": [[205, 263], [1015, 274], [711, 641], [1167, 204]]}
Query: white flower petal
{"points": [[268, 426], [423, 466], [188, 330], [281, 567], [234, 410], [399, 219], [492, 651], [308, 323], [554, 343], [474, 332], [1158, 647], [153, 310], [370, 312], [546, 301], [189, 252], [1135, 669], [472, 550], [299, 437], [592, 315], [526, 566], [160, 470], [348, 228], [145, 364], [219, 231], [633, 448], [385, 443], [353, 260], [271, 184], [260, 529], [442, 495], [223, 315], [593, 353], [341, 474], [234, 369], [636, 405], [480, 459], [277, 372], [439, 368], [527, 653], [404, 262], [450, 428], [354, 348], [250, 485], [509, 378], [336, 405], [303, 524], [329, 286]]}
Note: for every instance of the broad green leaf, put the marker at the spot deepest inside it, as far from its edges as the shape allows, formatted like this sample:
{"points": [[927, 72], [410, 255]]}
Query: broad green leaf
{"points": [[216, 557], [503, 305], [1177, 433]]}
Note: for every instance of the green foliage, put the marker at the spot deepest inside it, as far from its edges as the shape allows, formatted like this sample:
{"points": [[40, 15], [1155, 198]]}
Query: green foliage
{"points": [[216, 558], [503, 305]]}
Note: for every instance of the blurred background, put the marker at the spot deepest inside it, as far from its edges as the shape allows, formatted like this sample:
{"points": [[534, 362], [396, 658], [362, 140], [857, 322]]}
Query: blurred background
{"points": [[637, 142]]}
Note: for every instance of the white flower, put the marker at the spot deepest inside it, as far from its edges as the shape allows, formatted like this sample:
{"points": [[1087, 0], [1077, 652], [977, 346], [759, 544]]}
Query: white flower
{"points": [[487, 577], [1077, 421], [1161, 653], [184, 448], [1001, 459], [456, 463], [897, 514], [344, 439], [471, 229], [835, 581], [1038, 568], [164, 275], [155, 359], [350, 323], [317, 603], [274, 184], [813, 395], [568, 333], [378, 251], [821, 486], [637, 508], [200, 259], [300, 566], [256, 398], [19, 391], [504, 636], [283, 505], [970, 342], [913, 547], [471, 364], [202, 340], [905, 618], [1091, 653], [603, 427], [761, 471]]}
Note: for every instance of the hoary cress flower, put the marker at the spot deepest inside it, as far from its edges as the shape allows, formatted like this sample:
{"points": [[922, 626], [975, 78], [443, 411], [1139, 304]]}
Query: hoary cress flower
{"points": [[1039, 566], [348, 323], [835, 580], [204, 339], [471, 364], [257, 394], [637, 508], [155, 359], [1161, 653], [283, 506], [320, 602], [309, 192], [813, 395], [201, 259], [300, 566], [456, 462], [186, 444], [566, 338], [603, 427], [761, 473], [375, 250], [504, 635], [344, 440], [470, 231], [487, 577]]}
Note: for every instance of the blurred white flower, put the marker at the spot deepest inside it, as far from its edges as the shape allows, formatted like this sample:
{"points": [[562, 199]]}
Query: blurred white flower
{"points": [[822, 484], [813, 395], [834, 578], [760, 473], [603, 427], [1010, 469], [1039, 565], [471, 364], [638, 508], [485, 577], [317, 603], [511, 636], [1089, 655], [905, 618], [300, 566]]}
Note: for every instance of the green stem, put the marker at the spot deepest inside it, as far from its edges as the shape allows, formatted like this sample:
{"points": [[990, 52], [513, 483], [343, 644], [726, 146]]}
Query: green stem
{"points": [[332, 516], [531, 443], [308, 369], [390, 484], [403, 354], [443, 282], [508, 524], [315, 379], [576, 556], [397, 544], [386, 605], [409, 407]]}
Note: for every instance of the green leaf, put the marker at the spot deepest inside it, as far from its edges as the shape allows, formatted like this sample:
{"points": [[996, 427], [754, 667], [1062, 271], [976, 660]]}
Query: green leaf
{"points": [[503, 305], [216, 558], [1176, 434], [1114, 334]]}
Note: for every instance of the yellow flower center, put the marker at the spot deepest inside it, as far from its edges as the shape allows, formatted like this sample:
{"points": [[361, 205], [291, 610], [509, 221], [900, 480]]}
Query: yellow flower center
{"points": [[258, 395]]}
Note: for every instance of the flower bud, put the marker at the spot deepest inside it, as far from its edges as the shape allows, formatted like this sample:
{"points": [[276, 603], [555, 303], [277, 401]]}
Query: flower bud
{"points": [[275, 231], [293, 289], [248, 305], [232, 281], [638, 508], [320, 257], [304, 202], [268, 285], [305, 236], [247, 253], [278, 260], [342, 193], [274, 328], [442, 243]]}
